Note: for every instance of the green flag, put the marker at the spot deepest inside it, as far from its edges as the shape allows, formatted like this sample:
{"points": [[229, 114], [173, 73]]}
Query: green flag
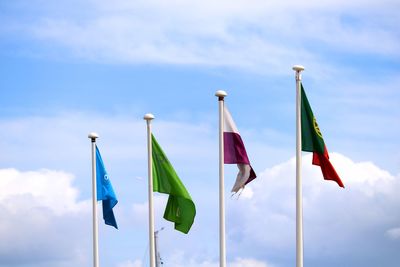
{"points": [[312, 141], [180, 208], [311, 136]]}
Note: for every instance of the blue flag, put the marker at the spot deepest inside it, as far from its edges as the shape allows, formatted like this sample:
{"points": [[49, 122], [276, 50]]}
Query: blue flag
{"points": [[105, 192]]}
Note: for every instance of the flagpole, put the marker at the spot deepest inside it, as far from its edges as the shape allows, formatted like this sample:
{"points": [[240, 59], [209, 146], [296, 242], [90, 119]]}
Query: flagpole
{"points": [[222, 246], [93, 137], [149, 117], [299, 192]]}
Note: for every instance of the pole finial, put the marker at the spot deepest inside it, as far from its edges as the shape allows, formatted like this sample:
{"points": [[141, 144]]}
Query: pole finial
{"points": [[93, 136], [298, 68], [221, 94], [148, 117]]}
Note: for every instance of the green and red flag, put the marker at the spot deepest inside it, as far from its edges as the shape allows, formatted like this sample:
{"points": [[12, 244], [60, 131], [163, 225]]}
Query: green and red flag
{"points": [[180, 208], [312, 141]]}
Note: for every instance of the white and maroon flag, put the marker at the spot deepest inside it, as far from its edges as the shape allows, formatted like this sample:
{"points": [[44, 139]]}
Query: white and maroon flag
{"points": [[235, 153]]}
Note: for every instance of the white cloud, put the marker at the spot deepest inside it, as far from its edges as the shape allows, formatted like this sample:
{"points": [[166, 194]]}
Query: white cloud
{"points": [[68, 132], [50, 189], [226, 33], [393, 233], [248, 263], [41, 220], [180, 259], [334, 218], [136, 263], [260, 224], [141, 210], [247, 192]]}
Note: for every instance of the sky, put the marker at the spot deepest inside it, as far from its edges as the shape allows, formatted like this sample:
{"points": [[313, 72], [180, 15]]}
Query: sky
{"points": [[69, 68]]}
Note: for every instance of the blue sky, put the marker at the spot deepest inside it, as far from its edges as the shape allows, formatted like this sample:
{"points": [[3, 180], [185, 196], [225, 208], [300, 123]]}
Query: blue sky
{"points": [[72, 67]]}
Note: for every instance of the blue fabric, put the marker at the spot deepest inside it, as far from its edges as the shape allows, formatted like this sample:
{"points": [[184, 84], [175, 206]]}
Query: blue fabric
{"points": [[105, 192]]}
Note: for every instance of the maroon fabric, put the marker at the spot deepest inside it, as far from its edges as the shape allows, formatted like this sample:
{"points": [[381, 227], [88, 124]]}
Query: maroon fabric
{"points": [[328, 171], [234, 150]]}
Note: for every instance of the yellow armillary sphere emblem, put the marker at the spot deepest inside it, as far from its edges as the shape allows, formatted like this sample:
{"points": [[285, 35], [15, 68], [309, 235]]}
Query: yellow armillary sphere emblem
{"points": [[316, 127]]}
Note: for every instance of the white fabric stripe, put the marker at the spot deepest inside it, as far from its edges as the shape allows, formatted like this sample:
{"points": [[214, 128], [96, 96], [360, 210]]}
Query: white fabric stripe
{"points": [[242, 177], [229, 124]]}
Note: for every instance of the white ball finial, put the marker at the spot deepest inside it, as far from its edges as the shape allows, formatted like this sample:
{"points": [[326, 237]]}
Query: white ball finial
{"points": [[220, 93], [93, 135], [148, 117], [298, 68]]}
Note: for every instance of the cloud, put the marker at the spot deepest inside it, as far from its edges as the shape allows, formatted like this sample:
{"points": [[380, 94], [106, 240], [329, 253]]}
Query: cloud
{"points": [[226, 33], [50, 189], [261, 223], [141, 210], [45, 133], [181, 259], [41, 220], [339, 223], [393, 233], [334, 218], [136, 263], [239, 262]]}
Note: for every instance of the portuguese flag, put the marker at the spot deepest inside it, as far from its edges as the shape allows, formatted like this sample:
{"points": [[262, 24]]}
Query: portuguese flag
{"points": [[312, 141]]}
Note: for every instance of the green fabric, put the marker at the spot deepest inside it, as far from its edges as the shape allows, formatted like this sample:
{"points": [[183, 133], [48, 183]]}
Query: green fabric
{"points": [[311, 137], [180, 208]]}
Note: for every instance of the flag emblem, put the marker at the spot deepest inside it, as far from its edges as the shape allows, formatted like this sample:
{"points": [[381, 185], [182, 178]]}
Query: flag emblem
{"points": [[316, 127]]}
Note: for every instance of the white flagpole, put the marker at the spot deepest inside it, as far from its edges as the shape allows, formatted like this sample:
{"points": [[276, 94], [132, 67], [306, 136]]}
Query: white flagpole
{"points": [[149, 117], [93, 137], [222, 246], [299, 192]]}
